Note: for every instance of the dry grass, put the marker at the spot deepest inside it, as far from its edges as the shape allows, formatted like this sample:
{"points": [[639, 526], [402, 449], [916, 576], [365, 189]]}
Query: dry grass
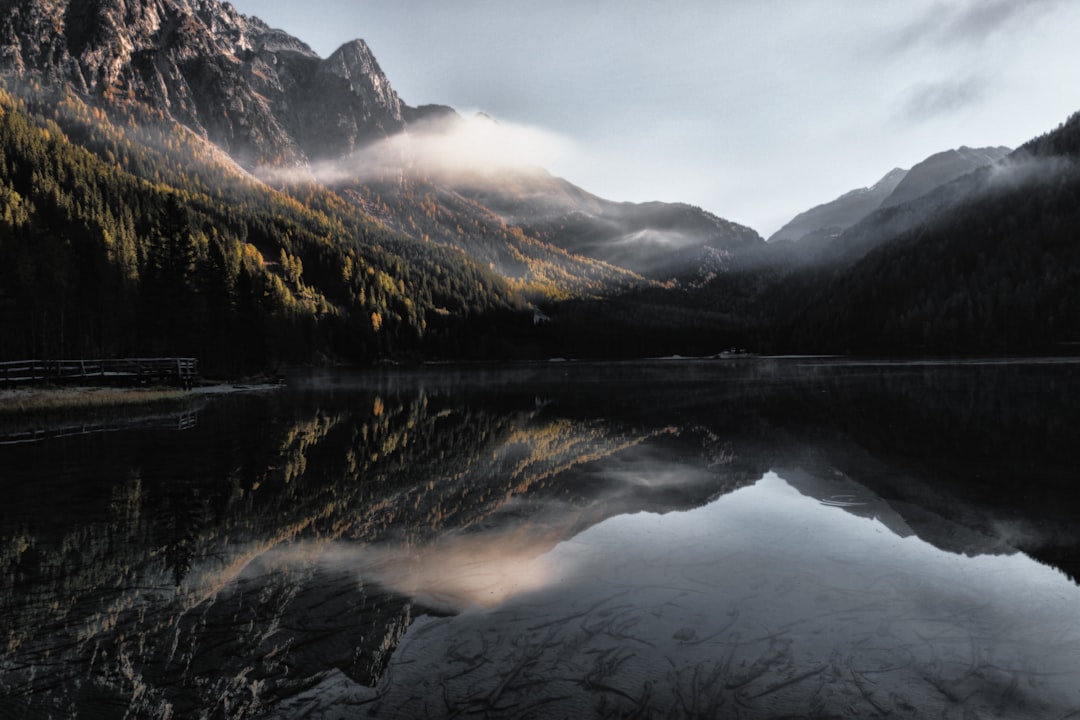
{"points": [[41, 402]]}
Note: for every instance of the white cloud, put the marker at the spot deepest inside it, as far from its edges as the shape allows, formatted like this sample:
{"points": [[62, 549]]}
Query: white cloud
{"points": [[752, 110], [478, 144], [928, 100], [441, 148]]}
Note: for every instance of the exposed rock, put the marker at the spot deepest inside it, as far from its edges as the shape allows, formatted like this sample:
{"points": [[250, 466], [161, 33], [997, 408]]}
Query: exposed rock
{"points": [[257, 92], [269, 101]]}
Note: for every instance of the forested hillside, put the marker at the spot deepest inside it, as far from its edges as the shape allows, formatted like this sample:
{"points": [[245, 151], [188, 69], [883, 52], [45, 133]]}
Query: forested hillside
{"points": [[179, 179], [542, 271], [125, 234], [995, 268]]}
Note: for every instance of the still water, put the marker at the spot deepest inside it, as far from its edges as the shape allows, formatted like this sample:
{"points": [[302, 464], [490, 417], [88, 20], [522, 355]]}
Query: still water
{"points": [[760, 538]]}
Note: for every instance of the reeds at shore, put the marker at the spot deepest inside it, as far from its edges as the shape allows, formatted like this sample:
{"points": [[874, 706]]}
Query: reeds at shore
{"points": [[27, 403]]}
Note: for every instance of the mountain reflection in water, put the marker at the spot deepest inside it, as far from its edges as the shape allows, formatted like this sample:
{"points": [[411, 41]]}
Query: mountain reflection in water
{"points": [[761, 604], [765, 538]]}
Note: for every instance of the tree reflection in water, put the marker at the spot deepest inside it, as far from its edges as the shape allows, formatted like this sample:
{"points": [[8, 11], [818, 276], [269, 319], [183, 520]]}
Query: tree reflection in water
{"points": [[270, 560]]}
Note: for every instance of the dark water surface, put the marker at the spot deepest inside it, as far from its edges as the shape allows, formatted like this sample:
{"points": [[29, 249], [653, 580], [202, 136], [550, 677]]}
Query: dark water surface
{"points": [[718, 539]]}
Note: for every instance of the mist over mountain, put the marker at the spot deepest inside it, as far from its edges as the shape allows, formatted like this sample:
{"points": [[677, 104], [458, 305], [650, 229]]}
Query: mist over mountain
{"points": [[941, 168], [818, 228], [262, 204], [985, 263], [477, 170], [655, 239], [286, 114]]}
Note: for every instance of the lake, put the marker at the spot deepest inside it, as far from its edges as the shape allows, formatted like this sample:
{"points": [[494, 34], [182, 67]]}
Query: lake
{"points": [[740, 538]]}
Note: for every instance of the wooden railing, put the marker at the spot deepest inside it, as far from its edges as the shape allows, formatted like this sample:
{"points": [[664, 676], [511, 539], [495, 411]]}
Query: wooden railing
{"points": [[119, 371], [182, 421]]}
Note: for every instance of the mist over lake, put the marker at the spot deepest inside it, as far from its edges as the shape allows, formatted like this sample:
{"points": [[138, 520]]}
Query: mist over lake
{"points": [[749, 538]]}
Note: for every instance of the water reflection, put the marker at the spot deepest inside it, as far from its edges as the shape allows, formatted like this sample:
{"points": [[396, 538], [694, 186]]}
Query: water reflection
{"points": [[763, 528], [764, 603], [174, 421]]}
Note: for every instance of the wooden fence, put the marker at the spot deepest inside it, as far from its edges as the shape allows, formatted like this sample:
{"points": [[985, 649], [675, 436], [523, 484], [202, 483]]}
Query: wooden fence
{"points": [[117, 371]]}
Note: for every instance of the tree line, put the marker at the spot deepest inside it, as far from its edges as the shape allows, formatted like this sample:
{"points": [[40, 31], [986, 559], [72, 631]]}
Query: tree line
{"points": [[123, 236]]}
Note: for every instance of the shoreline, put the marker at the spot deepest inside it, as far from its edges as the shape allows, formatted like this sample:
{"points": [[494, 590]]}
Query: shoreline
{"points": [[27, 408]]}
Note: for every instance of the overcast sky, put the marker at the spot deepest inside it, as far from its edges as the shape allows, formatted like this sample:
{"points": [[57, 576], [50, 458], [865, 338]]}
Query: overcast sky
{"points": [[753, 109]]}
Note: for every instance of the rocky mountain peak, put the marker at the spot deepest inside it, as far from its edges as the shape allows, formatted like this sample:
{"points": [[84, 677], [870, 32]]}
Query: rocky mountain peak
{"points": [[353, 59], [259, 93], [267, 100], [355, 63], [278, 42]]}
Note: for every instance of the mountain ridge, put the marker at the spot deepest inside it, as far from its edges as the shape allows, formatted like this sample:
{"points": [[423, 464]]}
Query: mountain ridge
{"points": [[269, 101], [841, 213], [387, 255], [940, 169], [816, 228], [249, 88], [986, 263]]}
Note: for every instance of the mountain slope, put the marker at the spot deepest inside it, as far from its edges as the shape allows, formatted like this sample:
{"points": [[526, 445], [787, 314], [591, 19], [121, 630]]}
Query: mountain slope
{"points": [[258, 93], [269, 101], [940, 169], [431, 211], [204, 260], [867, 211], [988, 263], [841, 213], [658, 240]]}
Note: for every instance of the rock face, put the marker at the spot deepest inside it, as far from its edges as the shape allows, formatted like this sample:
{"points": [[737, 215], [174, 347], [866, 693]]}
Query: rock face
{"points": [[349, 100], [259, 93]]}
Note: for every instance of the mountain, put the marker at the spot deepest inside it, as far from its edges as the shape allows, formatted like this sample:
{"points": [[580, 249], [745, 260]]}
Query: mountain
{"points": [[940, 169], [656, 240], [127, 236], [843, 212], [817, 228], [962, 174], [180, 179], [258, 93], [271, 103], [987, 263]]}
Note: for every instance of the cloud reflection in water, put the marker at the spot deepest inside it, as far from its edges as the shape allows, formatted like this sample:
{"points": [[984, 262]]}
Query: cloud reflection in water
{"points": [[765, 600], [454, 573]]}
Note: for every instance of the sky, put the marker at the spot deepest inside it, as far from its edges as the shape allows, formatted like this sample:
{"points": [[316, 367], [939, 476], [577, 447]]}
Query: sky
{"points": [[754, 110]]}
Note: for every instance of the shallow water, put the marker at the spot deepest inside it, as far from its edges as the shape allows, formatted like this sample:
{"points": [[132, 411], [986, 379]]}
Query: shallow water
{"points": [[755, 539]]}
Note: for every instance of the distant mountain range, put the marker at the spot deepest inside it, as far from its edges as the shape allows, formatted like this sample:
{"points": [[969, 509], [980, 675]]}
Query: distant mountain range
{"points": [[180, 178], [985, 263], [826, 221], [831, 218]]}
